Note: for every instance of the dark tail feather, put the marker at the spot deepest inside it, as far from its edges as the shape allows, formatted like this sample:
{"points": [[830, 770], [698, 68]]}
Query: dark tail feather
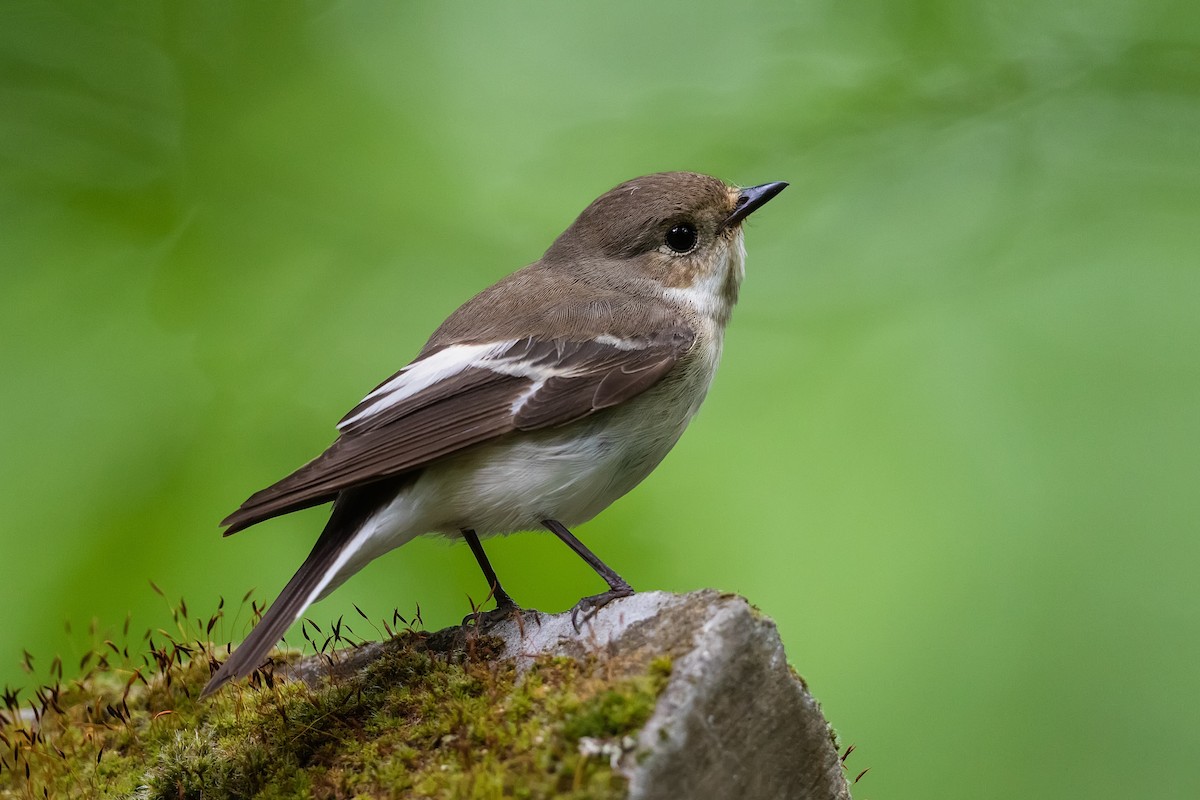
{"points": [[286, 609], [351, 510]]}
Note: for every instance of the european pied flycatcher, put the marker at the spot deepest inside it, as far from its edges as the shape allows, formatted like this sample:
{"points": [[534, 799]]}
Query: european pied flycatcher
{"points": [[536, 404]]}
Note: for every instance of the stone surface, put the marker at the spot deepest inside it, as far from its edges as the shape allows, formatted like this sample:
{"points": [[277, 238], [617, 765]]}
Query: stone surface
{"points": [[734, 720]]}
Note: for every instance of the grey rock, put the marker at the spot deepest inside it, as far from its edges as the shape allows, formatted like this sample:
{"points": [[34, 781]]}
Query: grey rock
{"points": [[734, 721]]}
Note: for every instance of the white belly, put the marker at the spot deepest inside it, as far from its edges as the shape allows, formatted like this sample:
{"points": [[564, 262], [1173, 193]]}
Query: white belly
{"points": [[569, 474]]}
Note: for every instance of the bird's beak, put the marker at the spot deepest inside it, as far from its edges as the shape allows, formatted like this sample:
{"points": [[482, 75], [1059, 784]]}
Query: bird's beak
{"points": [[751, 198]]}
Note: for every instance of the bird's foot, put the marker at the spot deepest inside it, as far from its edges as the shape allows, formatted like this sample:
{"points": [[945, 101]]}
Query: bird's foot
{"points": [[505, 609], [586, 608]]}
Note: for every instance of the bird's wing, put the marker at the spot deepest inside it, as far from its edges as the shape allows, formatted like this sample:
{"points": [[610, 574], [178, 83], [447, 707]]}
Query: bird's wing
{"points": [[466, 394]]}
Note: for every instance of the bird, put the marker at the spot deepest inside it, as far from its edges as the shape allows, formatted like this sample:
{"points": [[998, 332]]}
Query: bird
{"points": [[535, 405]]}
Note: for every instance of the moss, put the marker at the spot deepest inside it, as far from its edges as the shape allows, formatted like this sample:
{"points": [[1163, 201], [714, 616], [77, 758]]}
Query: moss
{"points": [[414, 722]]}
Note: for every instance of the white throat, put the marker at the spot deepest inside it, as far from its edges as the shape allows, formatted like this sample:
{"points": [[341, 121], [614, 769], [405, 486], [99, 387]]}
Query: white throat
{"points": [[713, 294]]}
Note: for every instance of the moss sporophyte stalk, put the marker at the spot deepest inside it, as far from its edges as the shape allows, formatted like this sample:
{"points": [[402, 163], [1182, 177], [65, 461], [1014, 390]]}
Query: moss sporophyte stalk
{"points": [[416, 721]]}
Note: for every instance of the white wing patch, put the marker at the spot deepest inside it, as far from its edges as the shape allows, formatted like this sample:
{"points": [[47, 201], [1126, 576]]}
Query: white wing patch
{"points": [[446, 364], [523, 398], [420, 375], [619, 343]]}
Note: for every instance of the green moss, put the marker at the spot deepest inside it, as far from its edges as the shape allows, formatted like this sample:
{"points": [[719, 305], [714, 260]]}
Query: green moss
{"points": [[413, 723]]}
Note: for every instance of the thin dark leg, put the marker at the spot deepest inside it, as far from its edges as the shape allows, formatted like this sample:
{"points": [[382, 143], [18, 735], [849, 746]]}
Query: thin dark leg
{"points": [[503, 601], [617, 587]]}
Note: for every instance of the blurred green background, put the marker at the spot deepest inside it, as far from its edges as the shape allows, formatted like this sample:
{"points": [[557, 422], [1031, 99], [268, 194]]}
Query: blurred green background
{"points": [[954, 446]]}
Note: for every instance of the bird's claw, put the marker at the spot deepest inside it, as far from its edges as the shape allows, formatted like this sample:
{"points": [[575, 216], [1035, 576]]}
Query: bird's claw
{"points": [[486, 619], [588, 606]]}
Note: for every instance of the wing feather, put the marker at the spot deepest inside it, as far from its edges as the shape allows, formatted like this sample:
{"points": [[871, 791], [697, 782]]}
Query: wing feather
{"points": [[524, 385]]}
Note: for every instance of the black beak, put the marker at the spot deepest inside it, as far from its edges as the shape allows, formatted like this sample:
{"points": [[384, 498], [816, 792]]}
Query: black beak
{"points": [[750, 199]]}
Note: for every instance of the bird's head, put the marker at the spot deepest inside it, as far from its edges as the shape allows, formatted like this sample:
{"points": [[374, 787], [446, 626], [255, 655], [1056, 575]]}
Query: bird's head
{"points": [[680, 231]]}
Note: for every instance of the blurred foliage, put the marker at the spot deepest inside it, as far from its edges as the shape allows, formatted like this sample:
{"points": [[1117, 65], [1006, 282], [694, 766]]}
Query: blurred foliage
{"points": [[955, 442]]}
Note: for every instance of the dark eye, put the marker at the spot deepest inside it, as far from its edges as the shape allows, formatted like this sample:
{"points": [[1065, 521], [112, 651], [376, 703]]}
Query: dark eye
{"points": [[682, 237]]}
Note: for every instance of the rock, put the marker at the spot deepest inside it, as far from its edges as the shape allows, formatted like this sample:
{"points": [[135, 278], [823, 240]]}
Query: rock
{"points": [[734, 721]]}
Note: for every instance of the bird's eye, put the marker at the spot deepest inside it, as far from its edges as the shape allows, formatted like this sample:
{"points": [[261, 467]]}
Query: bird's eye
{"points": [[682, 237]]}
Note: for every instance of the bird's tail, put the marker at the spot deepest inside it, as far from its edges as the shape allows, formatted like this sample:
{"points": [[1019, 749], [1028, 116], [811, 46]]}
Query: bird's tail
{"points": [[319, 573]]}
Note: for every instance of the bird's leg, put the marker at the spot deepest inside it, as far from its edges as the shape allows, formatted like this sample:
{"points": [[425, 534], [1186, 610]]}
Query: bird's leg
{"points": [[505, 605], [617, 586]]}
